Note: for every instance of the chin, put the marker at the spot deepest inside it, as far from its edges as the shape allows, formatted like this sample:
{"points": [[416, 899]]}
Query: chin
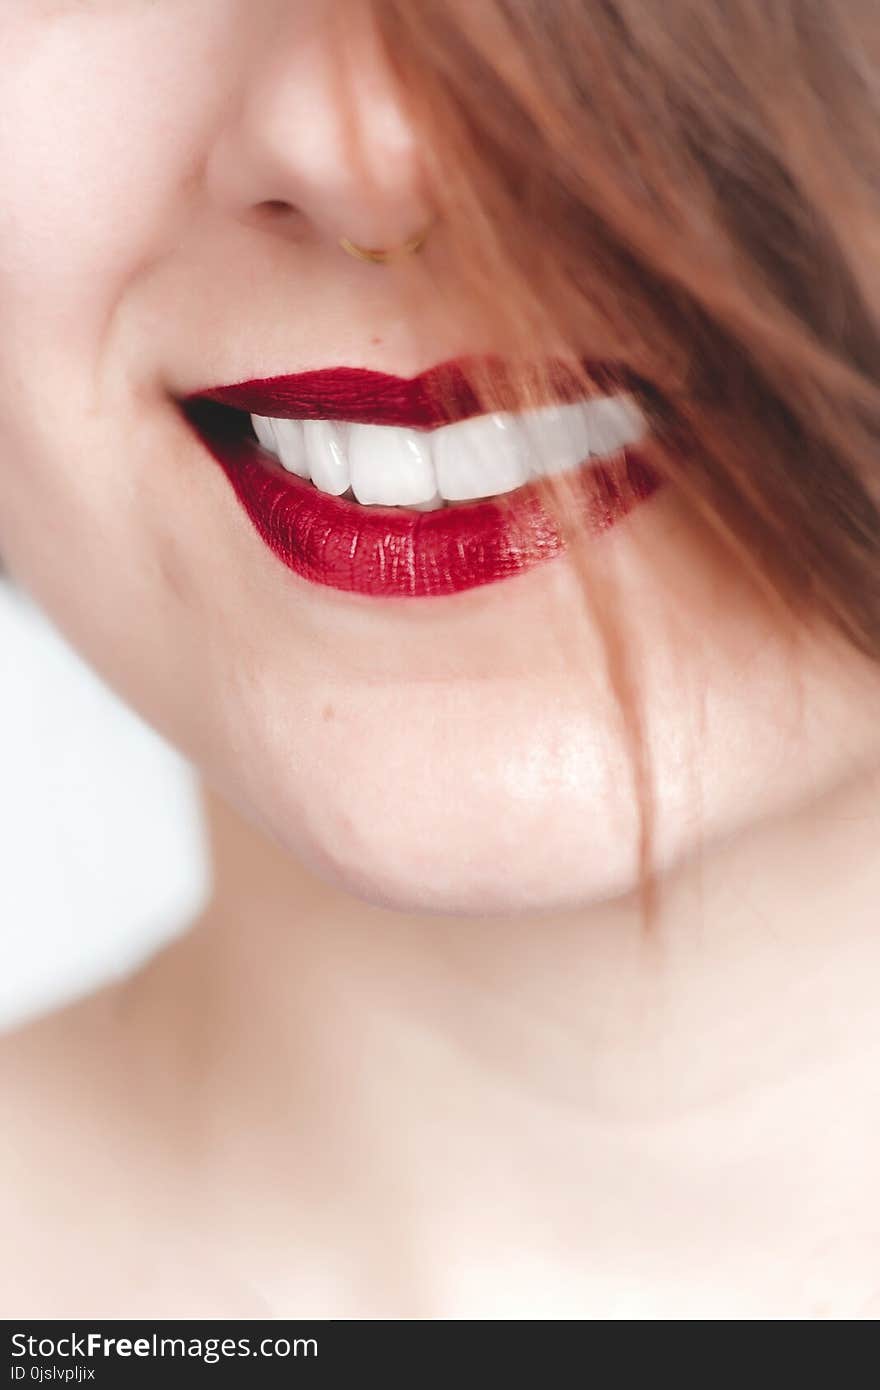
{"points": [[410, 830]]}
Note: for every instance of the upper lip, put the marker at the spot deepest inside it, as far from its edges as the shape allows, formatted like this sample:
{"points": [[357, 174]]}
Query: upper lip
{"points": [[437, 396]]}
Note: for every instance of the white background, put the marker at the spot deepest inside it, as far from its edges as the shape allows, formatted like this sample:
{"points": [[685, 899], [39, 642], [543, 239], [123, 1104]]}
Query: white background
{"points": [[102, 854]]}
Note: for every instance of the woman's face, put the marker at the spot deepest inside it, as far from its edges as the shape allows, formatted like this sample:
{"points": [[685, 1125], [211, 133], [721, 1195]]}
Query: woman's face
{"points": [[175, 181]]}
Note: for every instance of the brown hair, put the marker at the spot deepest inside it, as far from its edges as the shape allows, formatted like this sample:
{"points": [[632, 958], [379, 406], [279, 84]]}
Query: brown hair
{"points": [[693, 184]]}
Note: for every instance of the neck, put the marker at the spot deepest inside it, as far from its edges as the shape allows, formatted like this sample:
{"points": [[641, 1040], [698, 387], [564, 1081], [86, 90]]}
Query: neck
{"points": [[547, 1065], [772, 925]]}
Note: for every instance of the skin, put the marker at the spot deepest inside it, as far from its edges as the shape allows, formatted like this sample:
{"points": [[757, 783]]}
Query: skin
{"points": [[426, 1059]]}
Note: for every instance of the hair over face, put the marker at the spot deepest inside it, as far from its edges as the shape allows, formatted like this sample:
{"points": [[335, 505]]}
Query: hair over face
{"points": [[692, 186]]}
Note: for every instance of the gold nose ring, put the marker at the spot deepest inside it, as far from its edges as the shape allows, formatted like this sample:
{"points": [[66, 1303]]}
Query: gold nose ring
{"points": [[383, 257]]}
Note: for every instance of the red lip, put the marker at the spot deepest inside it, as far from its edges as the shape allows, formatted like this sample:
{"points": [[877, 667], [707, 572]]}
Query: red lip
{"points": [[392, 551], [435, 397]]}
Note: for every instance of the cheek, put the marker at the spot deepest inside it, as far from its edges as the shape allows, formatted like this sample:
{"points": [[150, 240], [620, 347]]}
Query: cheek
{"points": [[89, 167], [104, 110]]}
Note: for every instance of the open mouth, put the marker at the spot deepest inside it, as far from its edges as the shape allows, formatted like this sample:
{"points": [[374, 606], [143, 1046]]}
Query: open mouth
{"points": [[404, 487]]}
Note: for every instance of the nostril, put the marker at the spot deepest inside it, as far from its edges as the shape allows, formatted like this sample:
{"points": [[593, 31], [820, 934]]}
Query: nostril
{"points": [[277, 207], [275, 216]]}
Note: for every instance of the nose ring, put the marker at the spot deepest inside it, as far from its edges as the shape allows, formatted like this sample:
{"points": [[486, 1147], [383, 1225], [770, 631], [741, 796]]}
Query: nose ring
{"points": [[383, 257]]}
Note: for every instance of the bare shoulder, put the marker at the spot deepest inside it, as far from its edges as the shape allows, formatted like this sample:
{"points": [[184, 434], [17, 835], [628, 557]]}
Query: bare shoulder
{"points": [[54, 1081], [67, 1180], [76, 1074], [102, 1171], [54, 1067]]}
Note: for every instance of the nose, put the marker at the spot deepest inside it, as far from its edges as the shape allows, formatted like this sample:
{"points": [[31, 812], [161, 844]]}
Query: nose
{"points": [[320, 134]]}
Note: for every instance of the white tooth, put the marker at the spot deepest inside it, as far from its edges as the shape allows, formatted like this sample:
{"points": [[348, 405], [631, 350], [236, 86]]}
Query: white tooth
{"points": [[264, 429], [559, 437], [479, 457], [292, 446], [390, 466], [326, 454], [614, 422], [432, 504]]}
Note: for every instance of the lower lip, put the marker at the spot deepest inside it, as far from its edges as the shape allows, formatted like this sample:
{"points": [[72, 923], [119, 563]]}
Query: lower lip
{"points": [[390, 552]]}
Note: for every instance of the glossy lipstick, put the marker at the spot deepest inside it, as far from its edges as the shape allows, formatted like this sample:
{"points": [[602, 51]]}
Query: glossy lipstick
{"points": [[393, 551]]}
